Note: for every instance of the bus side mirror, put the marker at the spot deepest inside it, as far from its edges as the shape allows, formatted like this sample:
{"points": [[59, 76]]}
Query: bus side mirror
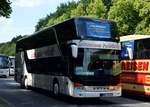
{"points": [[74, 49], [130, 53]]}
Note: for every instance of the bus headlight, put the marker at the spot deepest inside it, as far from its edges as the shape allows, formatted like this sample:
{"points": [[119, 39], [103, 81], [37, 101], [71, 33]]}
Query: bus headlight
{"points": [[78, 86], [113, 88]]}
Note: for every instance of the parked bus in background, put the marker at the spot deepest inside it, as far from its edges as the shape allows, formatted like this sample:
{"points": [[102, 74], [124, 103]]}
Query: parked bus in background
{"points": [[77, 57], [12, 65], [4, 65], [136, 64]]}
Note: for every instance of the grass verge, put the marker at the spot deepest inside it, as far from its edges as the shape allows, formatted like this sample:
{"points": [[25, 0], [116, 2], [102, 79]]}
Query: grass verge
{"points": [[3, 103]]}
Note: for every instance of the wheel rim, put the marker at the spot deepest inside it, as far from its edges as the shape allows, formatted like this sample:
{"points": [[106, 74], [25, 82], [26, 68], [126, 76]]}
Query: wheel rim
{"points": [[26, 83], [56, 89]]}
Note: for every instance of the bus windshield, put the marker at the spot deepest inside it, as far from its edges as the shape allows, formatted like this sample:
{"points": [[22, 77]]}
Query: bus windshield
{"points": [[93, 29], [98, 63], [125, 46], [4, 62]]}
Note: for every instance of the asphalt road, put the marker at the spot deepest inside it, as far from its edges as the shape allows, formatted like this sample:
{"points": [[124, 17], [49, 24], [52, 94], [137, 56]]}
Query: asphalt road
{"points": [[17, 97]]}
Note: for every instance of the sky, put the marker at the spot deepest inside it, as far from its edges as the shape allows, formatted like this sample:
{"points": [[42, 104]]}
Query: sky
{"points": [[25, 15]]}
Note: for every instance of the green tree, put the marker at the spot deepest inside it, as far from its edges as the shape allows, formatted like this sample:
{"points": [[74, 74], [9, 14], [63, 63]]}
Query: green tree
{"points": [[8, 48], [63, 12], [5, 9], [96, 8], [79, 11], [131, 16], [42, 23], [143, 8], [126, 16]]}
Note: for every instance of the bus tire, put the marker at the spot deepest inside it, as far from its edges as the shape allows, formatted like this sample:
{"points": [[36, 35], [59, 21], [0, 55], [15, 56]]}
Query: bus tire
{"points": [[26, 83], [56, 89]]}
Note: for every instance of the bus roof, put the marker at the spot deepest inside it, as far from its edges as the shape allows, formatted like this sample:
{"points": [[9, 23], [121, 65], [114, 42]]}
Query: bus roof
{"points": [[49, 27], [133, 37]]}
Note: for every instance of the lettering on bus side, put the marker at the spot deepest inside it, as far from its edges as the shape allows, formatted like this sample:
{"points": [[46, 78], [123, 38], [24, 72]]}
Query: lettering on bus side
{"points": [[135, 66], [147, 79]]}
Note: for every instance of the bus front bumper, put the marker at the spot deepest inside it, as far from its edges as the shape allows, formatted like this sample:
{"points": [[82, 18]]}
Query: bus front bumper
{"points": [[92, 94], [4, 72]]}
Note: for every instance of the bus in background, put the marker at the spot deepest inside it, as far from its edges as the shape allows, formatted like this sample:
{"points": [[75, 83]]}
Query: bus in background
{"points": [[77, 57], [135, 64], [12, 65], [4, 66]]}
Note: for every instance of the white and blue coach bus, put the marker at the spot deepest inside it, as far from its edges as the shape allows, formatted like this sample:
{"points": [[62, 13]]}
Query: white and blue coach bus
{"points": [[4, 65], [77, 57]]}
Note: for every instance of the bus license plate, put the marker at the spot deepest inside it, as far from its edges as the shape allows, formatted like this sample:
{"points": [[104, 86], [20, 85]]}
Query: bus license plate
{"points": [[106, 94]]}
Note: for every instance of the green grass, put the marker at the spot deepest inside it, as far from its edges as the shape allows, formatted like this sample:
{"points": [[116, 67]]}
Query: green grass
{"points": [[3, 103]]}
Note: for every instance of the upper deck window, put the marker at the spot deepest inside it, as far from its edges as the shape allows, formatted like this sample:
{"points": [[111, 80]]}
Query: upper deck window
{"points": [[93, 28]]}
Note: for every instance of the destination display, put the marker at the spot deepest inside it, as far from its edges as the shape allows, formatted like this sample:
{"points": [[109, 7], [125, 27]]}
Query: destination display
{"points": [[98, 29]]}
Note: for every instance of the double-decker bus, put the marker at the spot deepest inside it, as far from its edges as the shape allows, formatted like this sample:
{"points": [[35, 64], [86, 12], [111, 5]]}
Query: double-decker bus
{"points": [[77, 57], [4, 65], [135, 64]]}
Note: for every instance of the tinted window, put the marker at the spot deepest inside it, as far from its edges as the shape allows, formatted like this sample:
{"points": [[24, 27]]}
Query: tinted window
{"points": [[142, 49], [41, 39], [125, 46], [88, 28], [66, 31], [4, 62]]}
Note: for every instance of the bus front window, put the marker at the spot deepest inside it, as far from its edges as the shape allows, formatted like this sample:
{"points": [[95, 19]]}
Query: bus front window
{"points": [[127, 50], [4, 62], [93, 29], [98, 63]]}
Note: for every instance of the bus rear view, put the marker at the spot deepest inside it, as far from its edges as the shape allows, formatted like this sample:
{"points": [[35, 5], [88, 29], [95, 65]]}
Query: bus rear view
{"points": [[78, 57]]}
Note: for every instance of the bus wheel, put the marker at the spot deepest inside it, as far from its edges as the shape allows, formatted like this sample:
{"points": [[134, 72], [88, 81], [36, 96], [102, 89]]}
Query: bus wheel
{"points": [[56, 89], [26, 83]]}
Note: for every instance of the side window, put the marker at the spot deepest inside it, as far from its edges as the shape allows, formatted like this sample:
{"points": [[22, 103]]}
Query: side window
{"points": [[139, 49], [142, 49], [124, 49], [66, 31], [45, 38]]}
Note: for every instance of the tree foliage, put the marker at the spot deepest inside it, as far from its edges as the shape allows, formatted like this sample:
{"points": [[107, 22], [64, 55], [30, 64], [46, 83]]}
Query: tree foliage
{"points": [[8, 48], [143, 8], [5, 9], [96, 8], [131, 16], [124, 13]]}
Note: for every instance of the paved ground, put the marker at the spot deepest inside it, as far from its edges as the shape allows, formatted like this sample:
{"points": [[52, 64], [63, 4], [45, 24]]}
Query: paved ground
{"points": [[16, 97]]}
